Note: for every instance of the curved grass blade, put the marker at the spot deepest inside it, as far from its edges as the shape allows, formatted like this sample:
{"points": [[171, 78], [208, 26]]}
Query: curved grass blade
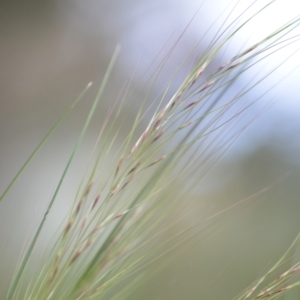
{"points": [[21, 270], [41, 144]]}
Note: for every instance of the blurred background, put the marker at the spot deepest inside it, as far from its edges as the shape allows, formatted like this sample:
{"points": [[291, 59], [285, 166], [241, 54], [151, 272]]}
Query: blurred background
{"points": [[50, 50]]}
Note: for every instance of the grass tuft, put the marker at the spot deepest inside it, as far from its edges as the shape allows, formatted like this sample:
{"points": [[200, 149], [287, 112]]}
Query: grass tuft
{"points": [[131, 198]]}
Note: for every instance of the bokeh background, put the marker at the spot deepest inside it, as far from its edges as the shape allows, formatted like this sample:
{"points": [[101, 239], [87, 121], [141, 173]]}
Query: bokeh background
{"points": [[51, 49]]}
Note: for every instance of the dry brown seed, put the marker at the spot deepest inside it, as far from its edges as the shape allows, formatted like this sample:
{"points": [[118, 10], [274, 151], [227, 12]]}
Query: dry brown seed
{"points": [[125, 184], [88, 189], [158, 136], [185, 124], [76, 255], [265, 294], [175, 100], [68, 227], [234, 66], [248, 50], [53, 274], [156, 124], [144, 135], [156, 161], [190, 105], [161, 115], [207, 85], [189, 83], [119, 165], [96, 201], [134, 168], [222, 67], [120, 215], [79, 206], [290, 272], [133, 149], [199, 73]]}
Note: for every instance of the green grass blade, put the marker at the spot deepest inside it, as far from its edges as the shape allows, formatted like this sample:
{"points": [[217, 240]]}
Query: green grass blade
{"points": [[62, 118], [21, 270]]}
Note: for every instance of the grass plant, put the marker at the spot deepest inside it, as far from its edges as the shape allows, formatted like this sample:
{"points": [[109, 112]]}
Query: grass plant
{"points": [[131, 197]]}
